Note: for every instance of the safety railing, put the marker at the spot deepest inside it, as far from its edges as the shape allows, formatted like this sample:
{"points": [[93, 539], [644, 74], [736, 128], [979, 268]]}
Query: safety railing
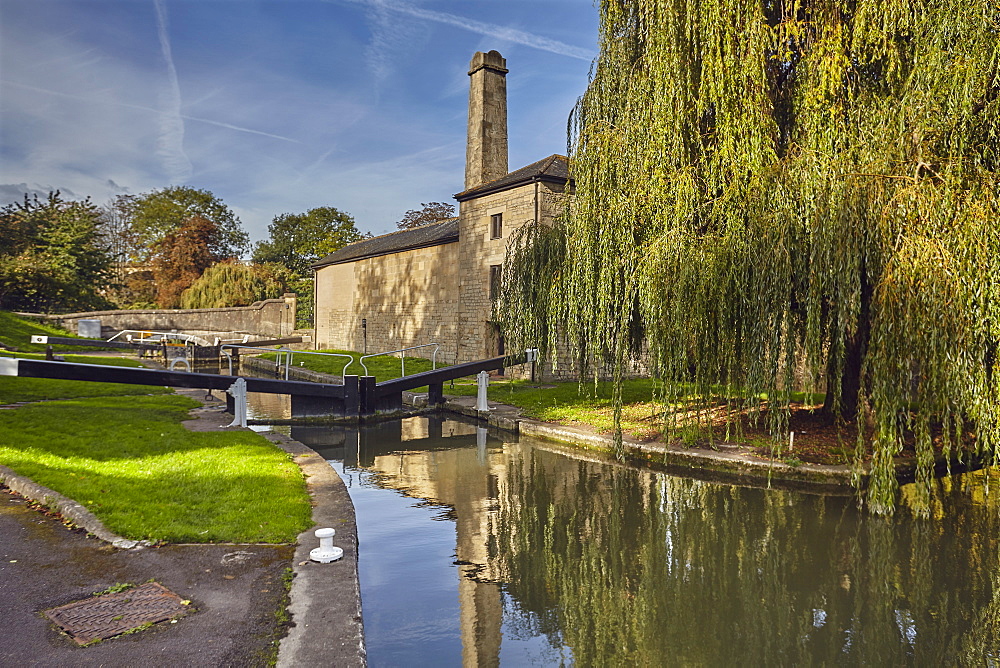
{"points": [[239, 339], [402, 358], [282, 353], [147, 336]]}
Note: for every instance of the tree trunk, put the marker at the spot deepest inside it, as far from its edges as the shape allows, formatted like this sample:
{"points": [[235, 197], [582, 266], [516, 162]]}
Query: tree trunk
{"points": [[855, 349]]}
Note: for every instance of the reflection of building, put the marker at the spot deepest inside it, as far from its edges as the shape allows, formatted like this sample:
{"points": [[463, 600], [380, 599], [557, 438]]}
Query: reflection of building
{"points": [[499, 499], [434, 283], [436, 468]]}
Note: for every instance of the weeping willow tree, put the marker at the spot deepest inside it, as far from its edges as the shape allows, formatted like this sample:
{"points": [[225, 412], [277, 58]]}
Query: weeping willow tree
{"points": [[766, 186], [232, 283]]}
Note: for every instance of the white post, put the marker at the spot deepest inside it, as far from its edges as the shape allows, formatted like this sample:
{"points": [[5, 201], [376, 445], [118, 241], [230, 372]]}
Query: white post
{"points": [[238, 390], [483, 382]]}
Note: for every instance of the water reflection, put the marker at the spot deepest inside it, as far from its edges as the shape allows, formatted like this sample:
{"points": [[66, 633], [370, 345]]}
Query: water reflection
{"points": [[531, 553]]}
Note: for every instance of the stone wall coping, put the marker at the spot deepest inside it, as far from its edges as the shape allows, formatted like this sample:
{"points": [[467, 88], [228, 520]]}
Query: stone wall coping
{"points": [[138, 311]]}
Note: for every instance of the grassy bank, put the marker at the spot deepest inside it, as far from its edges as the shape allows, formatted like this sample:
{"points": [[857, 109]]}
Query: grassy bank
{"points": [[132, 463], [383, 367], [122, 452], [16, 333]]}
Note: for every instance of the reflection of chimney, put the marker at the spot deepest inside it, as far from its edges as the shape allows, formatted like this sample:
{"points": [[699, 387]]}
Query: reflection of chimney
{"points": [[486, 151]]}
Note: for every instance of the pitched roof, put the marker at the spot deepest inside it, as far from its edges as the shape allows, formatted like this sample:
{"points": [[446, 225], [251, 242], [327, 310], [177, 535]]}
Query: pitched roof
{"points": [[435, 234], [554, 169]]}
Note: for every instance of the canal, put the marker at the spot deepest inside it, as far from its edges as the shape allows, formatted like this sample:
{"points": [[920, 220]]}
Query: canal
{"points": [[481, 549]]}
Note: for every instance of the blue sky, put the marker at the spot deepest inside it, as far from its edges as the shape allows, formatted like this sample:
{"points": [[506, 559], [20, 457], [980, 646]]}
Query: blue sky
{"points": [[276, 106]]}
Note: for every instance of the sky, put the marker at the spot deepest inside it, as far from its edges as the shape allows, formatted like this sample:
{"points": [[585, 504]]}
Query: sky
{"points": [[276, 106]]}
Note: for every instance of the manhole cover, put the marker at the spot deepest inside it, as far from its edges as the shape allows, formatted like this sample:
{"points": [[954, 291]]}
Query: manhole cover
{"points": [[109, 615]]}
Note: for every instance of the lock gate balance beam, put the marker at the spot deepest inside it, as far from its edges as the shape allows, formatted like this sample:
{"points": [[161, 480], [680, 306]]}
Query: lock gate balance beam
{"points": [[308, 399]]}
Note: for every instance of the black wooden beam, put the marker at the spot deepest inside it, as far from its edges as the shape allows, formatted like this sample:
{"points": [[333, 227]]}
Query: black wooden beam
{"points": [[30, 368], [272, 342], [93, 343], [438, 376]]}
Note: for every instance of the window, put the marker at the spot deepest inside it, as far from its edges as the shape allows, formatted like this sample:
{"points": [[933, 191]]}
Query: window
{"points": [[496, 226], [495, 274]]}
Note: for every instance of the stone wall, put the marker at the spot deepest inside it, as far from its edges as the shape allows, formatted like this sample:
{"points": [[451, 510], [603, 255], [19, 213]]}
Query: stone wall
{"points": [[406, 299], [271, 318], [519, 206]]}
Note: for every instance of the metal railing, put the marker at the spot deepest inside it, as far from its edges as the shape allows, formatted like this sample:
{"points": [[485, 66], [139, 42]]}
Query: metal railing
{"points": [[241, 339], [147, 336], [281, 353], [402, 358]]}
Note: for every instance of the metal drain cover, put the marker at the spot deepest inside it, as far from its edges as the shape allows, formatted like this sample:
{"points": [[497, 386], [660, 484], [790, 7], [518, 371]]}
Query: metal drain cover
{"points": [[109, 615]]}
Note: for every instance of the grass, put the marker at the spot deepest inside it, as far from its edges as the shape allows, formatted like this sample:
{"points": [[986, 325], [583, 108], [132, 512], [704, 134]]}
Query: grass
{"points": [[132, 463], [16, 333], [569, 402], [13, 390], [383, 367], [586, 403]]}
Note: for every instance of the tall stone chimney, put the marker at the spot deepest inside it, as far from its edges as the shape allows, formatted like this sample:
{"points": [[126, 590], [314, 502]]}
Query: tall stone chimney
{"points": [[486, 150]]}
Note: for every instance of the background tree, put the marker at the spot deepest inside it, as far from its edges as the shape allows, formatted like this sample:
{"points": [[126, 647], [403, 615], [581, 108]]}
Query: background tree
{"points": [[299, 239], [154, 215], [232, 283], [52, 257], [764, 186], [181, 256], [431, 212], [123, 244]]}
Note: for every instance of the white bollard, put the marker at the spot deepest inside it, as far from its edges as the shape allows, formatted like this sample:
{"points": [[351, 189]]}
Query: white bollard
{"points": [[326, 552], [238, 390], [483, 383]]}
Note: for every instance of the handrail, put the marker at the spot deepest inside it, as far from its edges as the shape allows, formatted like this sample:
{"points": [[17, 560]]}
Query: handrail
{"points": [[343, 372], [145, 334], [402, 358], [277, 361], [287, 352]]}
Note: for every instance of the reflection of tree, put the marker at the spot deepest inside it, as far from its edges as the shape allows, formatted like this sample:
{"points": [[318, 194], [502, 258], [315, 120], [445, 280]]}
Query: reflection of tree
{"points": [[630, 567]]}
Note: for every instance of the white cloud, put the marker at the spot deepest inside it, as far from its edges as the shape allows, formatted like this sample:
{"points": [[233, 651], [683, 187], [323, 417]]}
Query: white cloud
{"points": [[170, 146], [490, 29]]}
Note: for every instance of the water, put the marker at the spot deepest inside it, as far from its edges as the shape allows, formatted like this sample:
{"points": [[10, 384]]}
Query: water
{"points": [[477, 550]]}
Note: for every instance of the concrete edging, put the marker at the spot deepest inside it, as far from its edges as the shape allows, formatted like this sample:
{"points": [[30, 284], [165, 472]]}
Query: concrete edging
{"points": [[325, 598], [66, 507]]}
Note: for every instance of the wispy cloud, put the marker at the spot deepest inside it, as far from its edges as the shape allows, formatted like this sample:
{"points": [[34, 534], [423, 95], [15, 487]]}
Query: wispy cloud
{"points": [[170, 145], [139, 107], [490, 29]]}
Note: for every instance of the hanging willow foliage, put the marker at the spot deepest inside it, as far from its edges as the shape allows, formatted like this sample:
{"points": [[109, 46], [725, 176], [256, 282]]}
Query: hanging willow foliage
{"points": [[767, 185]]}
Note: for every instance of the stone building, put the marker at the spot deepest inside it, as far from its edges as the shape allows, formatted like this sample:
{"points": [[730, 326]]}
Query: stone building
{"points": [[434, 283]]}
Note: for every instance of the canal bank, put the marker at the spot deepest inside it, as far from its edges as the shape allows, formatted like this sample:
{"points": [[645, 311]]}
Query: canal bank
{"points": [[731, 462]]}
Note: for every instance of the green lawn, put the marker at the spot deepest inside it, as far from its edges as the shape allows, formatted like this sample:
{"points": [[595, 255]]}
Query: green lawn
{"points": [[132, 463], [383, 367], [13, 390]]}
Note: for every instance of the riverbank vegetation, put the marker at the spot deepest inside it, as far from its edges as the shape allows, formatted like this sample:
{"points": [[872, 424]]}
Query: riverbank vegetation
{"points": [[592, 406], [769, 193]]}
